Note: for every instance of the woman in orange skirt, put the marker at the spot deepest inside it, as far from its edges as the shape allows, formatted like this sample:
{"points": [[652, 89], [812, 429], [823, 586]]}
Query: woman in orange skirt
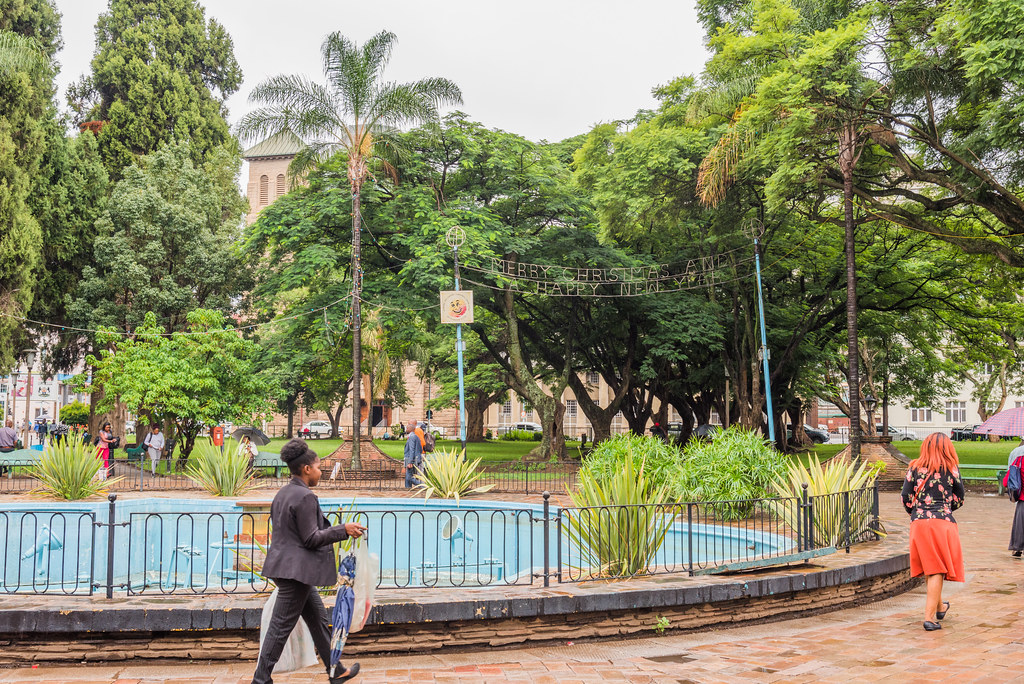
{"points": [[931, 492]]}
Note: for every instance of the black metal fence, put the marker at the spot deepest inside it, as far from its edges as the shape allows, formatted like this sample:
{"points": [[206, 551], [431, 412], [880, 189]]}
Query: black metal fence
{"points": [[180, 551], [131, 475]]}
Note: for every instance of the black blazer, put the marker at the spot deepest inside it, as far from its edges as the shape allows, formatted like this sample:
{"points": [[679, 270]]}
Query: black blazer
{"points": [[302, 541]]}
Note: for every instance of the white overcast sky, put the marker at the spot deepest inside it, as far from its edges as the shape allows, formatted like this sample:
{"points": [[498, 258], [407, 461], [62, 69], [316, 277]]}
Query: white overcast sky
{"points": [[545, 69]]}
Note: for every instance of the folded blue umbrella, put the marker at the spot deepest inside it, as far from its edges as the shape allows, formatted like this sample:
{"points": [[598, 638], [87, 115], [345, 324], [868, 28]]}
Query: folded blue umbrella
{"points": [[341, 619]]}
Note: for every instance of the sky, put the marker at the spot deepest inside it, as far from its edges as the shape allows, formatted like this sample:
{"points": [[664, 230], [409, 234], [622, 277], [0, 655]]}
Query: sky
{"points": [[546, 70]]}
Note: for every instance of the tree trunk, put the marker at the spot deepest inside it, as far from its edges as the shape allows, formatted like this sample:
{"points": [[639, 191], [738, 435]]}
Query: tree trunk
{"points": [[369, 403], [290, 430], [847, 161], [476, 407], [356, 172]]}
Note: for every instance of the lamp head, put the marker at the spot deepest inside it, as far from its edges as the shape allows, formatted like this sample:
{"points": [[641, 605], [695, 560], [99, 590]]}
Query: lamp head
{"points": [[870, 403]]}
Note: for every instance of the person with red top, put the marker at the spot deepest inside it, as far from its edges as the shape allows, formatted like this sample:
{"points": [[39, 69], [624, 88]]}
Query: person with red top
{"points": [[931, 492]]}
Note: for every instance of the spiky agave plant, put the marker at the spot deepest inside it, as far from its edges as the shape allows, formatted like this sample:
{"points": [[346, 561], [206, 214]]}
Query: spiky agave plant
{"points": [[619, 523], [826, 486], [222, 473], [69, 469], [446, 473]]}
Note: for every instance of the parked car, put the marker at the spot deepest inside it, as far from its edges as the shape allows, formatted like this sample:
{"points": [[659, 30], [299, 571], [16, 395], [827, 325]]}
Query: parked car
{"points": [[898, 434], [436, 430], [814, 434], [315, 429], [524, 426], [965, 434]]}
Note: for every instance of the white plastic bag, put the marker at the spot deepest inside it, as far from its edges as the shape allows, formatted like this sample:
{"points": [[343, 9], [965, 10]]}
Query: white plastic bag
{"points": [[299, 651], [365, 585]]}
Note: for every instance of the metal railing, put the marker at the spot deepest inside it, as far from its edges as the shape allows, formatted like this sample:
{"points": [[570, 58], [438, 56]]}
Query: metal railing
{"points": [[207, 552], [509, 478]]}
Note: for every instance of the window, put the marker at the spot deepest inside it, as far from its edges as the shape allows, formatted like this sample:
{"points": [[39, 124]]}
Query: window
{"points": [[527, 411], [956, 411], [920, 415], [991, 368], [715, 419], [506, 408], [991, 407], [593, 378], [280, 184], [570, 408], [1018, 404], [264, 190]]}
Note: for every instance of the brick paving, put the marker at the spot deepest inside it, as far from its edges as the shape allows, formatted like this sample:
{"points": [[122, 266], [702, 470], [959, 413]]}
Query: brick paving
{"points": [[982, 640]]}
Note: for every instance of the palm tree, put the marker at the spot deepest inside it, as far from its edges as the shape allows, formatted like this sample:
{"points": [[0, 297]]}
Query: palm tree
{"points": [[354, 112], [19, 53]]}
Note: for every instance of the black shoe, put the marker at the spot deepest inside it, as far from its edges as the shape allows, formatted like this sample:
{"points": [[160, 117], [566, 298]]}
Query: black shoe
{"points": [[1016, 554], [352, 671], [939, 614], [928, 625]]}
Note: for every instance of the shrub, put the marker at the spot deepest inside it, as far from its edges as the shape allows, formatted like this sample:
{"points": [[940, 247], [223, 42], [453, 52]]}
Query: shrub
{"points": [[69, 469], [520, 436], [618, 525], [826, 486], [661, 460], [735, 465], [224, 473], [488, 435], [447, 474], [75, 413]]}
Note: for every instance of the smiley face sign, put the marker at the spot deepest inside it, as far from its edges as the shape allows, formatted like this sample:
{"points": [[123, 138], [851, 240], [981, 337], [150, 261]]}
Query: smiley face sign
{"points": [[457, 306]]}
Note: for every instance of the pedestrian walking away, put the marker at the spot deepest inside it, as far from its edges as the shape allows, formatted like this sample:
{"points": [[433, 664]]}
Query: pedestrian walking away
{"points": [[413, 458], [932, 490], [301, 558], [154, 446]]}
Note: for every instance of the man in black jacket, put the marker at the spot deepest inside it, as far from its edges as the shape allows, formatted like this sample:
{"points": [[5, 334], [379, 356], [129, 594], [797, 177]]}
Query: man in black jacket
{"points": [[300, 559]]}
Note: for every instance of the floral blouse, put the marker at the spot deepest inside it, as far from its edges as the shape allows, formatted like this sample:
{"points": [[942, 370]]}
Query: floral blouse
{"points": [[932, 494]]}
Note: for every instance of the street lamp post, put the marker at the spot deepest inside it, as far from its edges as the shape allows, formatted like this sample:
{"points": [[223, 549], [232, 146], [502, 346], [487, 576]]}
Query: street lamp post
{"points": [[455, 237], [30, 358], [869, 405], [763, 353]]}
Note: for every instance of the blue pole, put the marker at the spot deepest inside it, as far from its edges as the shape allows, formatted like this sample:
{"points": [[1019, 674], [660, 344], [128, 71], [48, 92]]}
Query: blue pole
{"points": [[764, 346], [458, 350]]}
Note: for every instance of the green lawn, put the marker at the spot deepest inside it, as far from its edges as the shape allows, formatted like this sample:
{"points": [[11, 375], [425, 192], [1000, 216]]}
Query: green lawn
{"points": [[488, 451], [969, 452]]}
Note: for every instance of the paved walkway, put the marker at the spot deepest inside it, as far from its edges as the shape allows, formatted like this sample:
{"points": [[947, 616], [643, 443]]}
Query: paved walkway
{"points": [[982, 640]]}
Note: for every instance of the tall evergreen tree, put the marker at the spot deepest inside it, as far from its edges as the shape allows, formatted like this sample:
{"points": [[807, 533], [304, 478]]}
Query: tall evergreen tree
{"points": [[161, 72], [29, 37]]}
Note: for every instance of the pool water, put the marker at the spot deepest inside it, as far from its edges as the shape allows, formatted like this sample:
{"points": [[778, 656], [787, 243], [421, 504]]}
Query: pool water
{"points": [[173, 545]]}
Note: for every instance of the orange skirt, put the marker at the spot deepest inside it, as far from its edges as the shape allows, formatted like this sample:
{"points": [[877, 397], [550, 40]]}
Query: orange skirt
{"points": [[935, 549]]}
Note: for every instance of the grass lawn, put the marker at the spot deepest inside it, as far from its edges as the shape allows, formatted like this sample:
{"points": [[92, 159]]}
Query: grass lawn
{"points": [[995, 453], [488, 451]]}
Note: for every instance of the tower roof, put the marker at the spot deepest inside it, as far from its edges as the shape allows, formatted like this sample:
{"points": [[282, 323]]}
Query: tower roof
{"points": [[283, 144]]}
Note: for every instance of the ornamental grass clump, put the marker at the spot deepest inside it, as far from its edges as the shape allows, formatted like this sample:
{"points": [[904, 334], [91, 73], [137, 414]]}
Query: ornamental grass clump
{"points": [[447, 474], [735, 467], [660, 460], [222, 473], [825, 489], [70, 469], [619, 523]]}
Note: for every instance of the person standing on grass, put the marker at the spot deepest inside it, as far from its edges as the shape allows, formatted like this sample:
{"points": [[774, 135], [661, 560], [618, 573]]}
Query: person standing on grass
{"points": [[931, 492], [301, 558], [154, 446], [106, 438], [413, 458]]}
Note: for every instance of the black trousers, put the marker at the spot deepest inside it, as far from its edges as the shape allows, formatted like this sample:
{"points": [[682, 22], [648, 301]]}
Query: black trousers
{"points": [[294, 600]]}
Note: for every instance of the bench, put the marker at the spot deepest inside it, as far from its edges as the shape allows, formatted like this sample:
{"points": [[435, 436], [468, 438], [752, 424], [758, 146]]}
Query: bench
{"points": [[1000, 472]]}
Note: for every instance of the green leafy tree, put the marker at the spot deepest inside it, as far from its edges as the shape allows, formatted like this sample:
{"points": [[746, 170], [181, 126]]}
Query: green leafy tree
{"points": [[354, 113], [29, 38], [203, 375], [160, 74]]}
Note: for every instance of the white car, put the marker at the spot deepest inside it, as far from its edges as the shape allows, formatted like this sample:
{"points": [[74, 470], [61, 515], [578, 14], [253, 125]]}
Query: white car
{"points": [[898, 434], [316, 429], [524, 427]]}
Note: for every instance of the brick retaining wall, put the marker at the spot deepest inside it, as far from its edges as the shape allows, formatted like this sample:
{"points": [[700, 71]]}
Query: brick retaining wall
{"points": [[548, 618]]}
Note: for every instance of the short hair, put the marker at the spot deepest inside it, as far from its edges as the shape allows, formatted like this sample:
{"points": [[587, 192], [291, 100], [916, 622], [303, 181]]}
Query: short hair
{"points": [[154, 426], [296, 454], [10, 424]]}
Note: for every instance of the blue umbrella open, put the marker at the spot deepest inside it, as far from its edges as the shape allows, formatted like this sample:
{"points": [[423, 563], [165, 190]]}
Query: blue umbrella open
{"points": [[341, 618]]}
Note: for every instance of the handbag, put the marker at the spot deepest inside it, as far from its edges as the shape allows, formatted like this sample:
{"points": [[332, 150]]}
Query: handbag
{"points": [[365, 585]]}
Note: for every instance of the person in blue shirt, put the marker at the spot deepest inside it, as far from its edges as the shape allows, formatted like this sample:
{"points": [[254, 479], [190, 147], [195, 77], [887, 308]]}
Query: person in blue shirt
{"points": [[413, 457]]}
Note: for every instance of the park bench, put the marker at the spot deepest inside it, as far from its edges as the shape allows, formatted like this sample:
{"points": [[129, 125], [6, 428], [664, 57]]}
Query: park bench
{"points": [[18, 457], [1000, 472]]}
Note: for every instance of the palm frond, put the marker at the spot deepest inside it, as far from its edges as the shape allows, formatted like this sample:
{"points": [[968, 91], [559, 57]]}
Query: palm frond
{"points": [[19, 53]]}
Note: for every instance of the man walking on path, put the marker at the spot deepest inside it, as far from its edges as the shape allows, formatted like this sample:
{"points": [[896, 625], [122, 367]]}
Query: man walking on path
{"points": [[300, 559], [413, 458], [155, 446]]}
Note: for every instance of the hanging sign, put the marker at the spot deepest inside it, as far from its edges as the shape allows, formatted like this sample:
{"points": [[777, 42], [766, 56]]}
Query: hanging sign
{"points": [[456, 306]]}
